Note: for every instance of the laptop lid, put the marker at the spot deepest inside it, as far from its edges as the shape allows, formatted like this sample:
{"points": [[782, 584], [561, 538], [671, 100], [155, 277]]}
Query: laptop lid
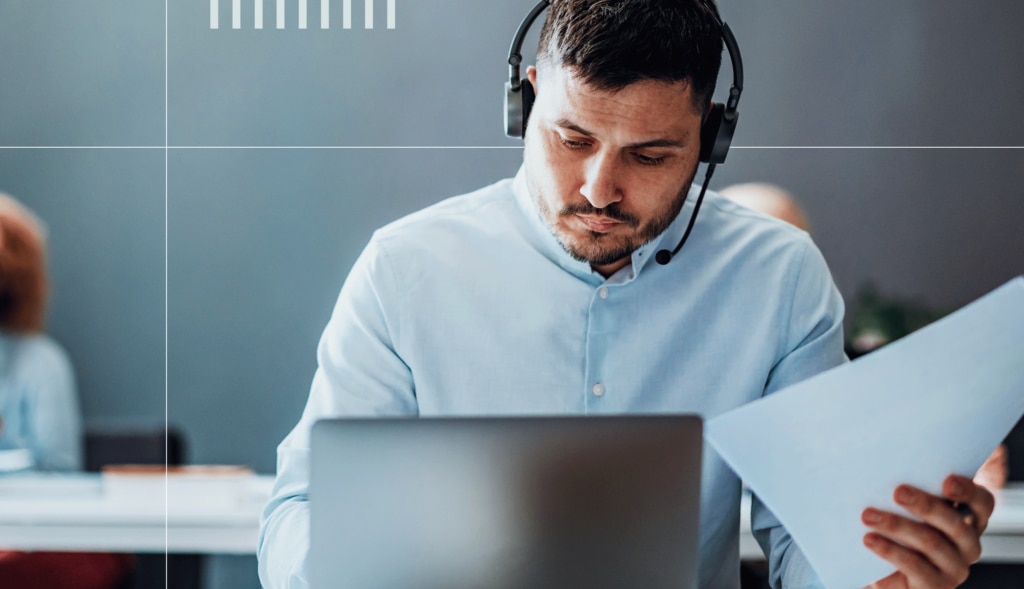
{"points": [[505, 503]]}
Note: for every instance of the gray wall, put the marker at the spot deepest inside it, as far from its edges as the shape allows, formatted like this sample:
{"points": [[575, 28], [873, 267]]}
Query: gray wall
{"points": [[225, 262]]}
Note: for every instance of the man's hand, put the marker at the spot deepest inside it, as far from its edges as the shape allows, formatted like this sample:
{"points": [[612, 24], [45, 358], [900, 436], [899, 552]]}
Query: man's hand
{"points": [[936, 552], [993, 473]]}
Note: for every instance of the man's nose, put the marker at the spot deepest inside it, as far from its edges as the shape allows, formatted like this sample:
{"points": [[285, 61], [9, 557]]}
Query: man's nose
{"points": [[600, 183]]}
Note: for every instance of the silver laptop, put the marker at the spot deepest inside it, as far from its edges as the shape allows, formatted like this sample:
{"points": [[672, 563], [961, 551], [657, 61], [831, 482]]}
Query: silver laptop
{"points": [[505, 503]]}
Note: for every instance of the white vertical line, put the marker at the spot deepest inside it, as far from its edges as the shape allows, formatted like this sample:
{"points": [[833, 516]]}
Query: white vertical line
{"points": [[167, 152], [391, 14], [214, 14], [346, 14], [368, 16], [325, 14], [302, 14], [258, 14], [236, 14], [280, 14]]}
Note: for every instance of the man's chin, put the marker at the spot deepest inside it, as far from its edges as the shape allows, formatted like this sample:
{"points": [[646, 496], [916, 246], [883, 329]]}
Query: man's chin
{"points": [[597, 256]]}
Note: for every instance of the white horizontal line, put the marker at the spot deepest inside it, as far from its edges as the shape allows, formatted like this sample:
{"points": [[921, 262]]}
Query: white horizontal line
{"points": [[779, 147], [877, 147], [173, 147], [160, 147]]}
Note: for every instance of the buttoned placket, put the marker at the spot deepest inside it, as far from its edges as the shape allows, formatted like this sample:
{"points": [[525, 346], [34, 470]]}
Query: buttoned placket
{"points": [[599, 330]]}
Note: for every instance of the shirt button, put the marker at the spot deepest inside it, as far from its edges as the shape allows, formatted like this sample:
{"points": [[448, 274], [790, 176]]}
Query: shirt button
{"points": [[598, 389], [603, 292]]}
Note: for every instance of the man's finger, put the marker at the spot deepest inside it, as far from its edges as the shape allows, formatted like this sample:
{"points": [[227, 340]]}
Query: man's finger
{"points": [[928, 542], [945, 520], [981, 501], [911, 564]]}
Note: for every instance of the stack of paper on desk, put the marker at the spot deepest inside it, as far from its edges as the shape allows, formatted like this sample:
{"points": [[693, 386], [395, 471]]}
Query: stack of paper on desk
{"points": [[936, 402]]}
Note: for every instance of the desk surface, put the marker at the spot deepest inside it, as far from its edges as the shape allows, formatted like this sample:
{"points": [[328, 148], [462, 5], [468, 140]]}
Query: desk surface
{"points": [[85, 512]]}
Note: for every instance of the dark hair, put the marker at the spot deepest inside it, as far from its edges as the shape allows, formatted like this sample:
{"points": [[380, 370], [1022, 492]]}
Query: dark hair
{"points": [[23, 284], [611, 44]]}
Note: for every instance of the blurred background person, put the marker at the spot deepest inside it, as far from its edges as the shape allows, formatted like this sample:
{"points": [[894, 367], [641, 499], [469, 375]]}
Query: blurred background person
{"points": [[770, 200], [776, 202], [40, 425]]}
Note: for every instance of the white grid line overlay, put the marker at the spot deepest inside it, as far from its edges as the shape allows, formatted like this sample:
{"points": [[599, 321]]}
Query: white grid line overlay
{"points": [[346, 23], [167, 152], [341, 147]]}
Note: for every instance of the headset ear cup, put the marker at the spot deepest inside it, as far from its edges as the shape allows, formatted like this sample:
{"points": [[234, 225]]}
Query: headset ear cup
{"points": [[518, 103], [709, 131], [528, 96]]}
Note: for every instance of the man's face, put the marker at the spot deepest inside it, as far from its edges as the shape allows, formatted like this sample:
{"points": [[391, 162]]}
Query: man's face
{"points": [[609, 170]]}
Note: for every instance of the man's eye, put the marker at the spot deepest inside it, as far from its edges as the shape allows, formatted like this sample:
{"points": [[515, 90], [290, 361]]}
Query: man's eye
{"points": [[647, 160], [573, 144]]}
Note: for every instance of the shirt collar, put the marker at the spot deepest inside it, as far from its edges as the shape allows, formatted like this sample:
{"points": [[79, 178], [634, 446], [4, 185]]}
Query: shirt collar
{"points": [[548, 244]]}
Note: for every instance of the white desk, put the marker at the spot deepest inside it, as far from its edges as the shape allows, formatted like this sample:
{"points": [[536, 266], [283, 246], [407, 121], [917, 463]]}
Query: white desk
{"points": [[77, 512], [74, 512]]}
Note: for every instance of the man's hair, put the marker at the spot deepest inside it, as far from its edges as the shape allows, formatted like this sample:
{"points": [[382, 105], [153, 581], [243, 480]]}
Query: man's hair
{"points": [[611, 44], [23, 283]]}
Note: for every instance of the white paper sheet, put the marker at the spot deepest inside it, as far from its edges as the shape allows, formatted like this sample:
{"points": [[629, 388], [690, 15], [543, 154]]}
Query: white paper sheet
{"points": [[936, 402]]}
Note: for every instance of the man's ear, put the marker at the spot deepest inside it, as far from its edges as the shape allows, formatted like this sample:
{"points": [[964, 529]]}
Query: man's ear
{"points": [[710, 107], [531, 75]]}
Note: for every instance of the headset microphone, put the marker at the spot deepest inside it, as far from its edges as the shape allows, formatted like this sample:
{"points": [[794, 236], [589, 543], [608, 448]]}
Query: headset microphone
{"points": [[716, 130]]}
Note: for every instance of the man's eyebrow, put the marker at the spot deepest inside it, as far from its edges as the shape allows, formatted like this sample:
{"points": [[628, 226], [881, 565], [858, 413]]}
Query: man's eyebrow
{"points": [[658, 143], [567, 124]]}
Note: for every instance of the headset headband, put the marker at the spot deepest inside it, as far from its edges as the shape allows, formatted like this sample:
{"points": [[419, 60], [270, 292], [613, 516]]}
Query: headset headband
{"points": [[719, 124]]}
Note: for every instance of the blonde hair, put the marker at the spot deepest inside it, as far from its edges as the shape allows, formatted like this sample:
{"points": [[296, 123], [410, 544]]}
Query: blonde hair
{"points": [[23, 282]]}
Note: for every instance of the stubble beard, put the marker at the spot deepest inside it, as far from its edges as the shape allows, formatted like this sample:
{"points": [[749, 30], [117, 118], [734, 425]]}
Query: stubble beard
{"points": [[601, 249]]}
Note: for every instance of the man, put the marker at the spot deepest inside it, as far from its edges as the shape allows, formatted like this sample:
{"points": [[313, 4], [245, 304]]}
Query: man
{"points": [[539, 295]]}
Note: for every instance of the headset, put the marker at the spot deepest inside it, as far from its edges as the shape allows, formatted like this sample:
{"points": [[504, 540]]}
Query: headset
{"points": [[716, 131]]}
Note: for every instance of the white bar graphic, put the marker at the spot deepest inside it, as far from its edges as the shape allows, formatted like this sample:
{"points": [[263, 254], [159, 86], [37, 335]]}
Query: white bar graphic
{"points": [[303, 14]]}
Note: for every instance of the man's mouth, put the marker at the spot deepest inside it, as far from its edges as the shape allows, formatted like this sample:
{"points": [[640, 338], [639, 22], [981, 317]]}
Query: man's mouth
{"points": [[598, 224]]}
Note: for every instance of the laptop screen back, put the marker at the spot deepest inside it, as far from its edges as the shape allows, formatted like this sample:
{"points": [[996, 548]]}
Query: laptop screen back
{"points": [[505, 503]]}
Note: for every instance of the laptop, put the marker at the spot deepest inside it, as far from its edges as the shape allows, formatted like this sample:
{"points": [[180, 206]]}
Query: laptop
{"points": [[505, 503]]}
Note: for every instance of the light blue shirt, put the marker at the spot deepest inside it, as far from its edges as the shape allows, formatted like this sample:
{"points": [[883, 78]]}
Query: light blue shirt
{"points": [[472, 307], [38, 402]]}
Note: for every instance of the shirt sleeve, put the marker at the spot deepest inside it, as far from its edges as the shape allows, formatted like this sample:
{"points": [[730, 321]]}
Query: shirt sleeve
{"points": [[813, 343], [359, 373], [54, 424]]}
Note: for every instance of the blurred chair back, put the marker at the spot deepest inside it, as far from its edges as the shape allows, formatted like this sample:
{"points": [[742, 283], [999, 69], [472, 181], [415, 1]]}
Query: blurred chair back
{"points": [[146, 444], [132, 445]]}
